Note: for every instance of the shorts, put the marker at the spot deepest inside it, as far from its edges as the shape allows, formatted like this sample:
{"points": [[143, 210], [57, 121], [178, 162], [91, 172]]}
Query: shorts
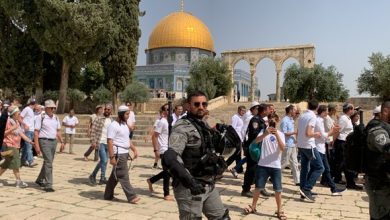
{"points": [[11, 162], [263, 173]]}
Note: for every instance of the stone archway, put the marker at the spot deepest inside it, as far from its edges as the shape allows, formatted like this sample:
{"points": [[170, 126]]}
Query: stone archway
{"points": [[305, 54]]}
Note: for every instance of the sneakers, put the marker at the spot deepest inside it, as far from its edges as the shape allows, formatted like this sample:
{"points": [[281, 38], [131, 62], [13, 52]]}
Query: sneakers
{"points": [[92, 179], [102, 181], [307, 195], [49, 190], [338, 192], [234, 173], [33, 164], [355, 187], [21, 184], [248, 194], [265, 193]]}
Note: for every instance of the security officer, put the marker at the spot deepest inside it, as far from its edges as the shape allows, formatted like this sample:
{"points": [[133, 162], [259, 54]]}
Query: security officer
{"points": [[255, 125], [186, 159], [378, 164]]}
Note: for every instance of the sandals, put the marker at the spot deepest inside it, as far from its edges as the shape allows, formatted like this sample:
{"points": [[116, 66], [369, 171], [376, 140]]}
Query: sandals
{"points": [[250, 210], [135, 200], [281, 215]]}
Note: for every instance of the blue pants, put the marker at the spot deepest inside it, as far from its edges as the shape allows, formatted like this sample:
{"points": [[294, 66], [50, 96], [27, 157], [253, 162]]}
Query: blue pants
{"points": [[27, 154], [326, 177], [103, 154], [310, 161]]}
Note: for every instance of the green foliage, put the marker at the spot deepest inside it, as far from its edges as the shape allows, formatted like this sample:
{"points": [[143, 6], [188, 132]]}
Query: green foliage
{"points": [[93, 77], [20, 58], [75, 95], [135, 92], [102, 95], [51, 94], [324, 84], [120, 62], [210, 76], [376, 80]]}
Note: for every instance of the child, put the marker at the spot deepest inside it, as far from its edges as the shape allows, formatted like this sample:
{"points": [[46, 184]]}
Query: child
{"points": [[269, 166]]}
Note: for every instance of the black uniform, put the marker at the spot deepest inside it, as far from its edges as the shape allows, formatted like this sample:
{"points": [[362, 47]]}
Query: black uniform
{"points": [[378, 169], [256, 124]]}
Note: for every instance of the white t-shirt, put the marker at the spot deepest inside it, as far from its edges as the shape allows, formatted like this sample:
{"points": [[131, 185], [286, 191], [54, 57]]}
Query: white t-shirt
{"points": [[70, 121], [131, 120], [320, 142], [237, 124], [246, 119], [308, 118], [346, 127], [175, 118], [48, 126], [162, 129], [28, 117], [270, 152], [329, 123], [103, 137], [119, 133]]}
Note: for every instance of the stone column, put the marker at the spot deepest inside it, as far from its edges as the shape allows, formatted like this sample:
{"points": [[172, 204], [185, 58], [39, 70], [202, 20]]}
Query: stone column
{"points": [[252, 89], [231, 93], [278, 73]]}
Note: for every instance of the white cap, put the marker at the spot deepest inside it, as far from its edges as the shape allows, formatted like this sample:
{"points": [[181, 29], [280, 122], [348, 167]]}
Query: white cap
{"points": [[253, 104], [50, 104], [377, 109], [123, 108]]}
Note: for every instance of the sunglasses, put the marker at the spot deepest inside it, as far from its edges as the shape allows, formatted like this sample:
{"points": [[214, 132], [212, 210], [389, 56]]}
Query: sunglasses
{"points": [[204, 104], [107, 109]]}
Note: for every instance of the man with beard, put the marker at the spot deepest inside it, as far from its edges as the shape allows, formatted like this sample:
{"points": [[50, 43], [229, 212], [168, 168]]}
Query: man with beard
{"points": [[190, 144]]}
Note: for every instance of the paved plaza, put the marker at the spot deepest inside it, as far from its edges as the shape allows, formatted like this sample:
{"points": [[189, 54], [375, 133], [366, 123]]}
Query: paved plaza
{"points": [[76, 199]]}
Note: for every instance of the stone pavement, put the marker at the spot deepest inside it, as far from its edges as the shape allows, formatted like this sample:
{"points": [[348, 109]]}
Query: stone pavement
{"points": [[75, 199]]}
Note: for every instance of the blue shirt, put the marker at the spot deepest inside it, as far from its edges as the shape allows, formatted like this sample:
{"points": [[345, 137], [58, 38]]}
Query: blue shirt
{"points": [[287, 126]]}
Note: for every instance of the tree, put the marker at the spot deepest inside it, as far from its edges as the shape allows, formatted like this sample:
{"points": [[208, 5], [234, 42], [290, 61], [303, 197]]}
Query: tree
{"points": [[324, 84], [93, 77], [20, 58], [102, 95], [75, 95], [210, 76], [136, 92], [78, 31], [119, 64], [376, 79]]}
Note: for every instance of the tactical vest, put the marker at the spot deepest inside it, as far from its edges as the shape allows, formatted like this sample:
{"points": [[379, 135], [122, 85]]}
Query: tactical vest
{"points": [[376, 162], [201, 160]]}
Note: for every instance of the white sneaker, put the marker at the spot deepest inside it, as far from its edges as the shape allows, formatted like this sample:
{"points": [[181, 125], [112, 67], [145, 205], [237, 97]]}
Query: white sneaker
{"points": [[21, 184], [2, 161]]}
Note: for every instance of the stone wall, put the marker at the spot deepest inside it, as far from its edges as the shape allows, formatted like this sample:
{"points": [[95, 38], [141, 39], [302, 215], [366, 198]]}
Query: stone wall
{"points": [[367, 103]]}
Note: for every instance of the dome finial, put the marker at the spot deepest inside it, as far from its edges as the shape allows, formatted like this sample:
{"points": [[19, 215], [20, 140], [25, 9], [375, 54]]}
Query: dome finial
{"points": [[182, 6]]}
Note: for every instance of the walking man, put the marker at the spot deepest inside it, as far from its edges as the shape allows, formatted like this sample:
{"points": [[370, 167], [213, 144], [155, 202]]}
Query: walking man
{"points": [[47, 132], [289, 156], [70, 122], [119, 143], [99, 141], [160, 145], [310, 158], [27, 116], [237, 124]]}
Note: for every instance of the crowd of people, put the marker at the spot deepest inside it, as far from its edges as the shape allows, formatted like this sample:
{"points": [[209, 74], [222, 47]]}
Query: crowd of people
{"points": [[311, 143]]}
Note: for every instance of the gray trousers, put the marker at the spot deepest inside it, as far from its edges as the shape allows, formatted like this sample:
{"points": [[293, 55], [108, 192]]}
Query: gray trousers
{"points": [[289, 157], [191, 207], [48, 149], [120, 173]]}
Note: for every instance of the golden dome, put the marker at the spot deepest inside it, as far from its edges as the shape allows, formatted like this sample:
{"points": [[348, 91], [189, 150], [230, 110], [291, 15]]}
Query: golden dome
{"points": [[181, 29]]}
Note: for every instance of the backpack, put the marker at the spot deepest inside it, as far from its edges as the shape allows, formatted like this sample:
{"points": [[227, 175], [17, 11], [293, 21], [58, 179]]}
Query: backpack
{"points": [[255, 150], [355, 146]]}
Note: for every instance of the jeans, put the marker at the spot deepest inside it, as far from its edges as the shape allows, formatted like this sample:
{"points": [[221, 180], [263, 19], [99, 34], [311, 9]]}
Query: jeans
{"points": [[239, 165], [103, 154], [326, 177], [27, 154], [262, 175], [310, 160]]}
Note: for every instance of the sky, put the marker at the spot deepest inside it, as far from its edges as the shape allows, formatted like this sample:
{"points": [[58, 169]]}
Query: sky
{"points": [[345, 33]]}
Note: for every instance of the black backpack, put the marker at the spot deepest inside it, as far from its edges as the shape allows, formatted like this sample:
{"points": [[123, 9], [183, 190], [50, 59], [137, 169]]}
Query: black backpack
{"points": [[355, 147]]}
